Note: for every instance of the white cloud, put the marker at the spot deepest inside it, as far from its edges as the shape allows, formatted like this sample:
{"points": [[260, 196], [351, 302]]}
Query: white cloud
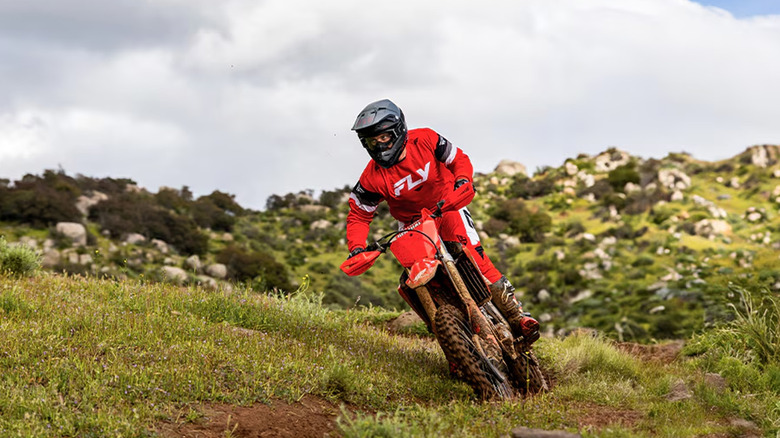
{"points": [[256, 98]]}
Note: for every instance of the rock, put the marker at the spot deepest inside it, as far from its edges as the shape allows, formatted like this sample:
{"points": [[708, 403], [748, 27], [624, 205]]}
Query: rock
{"points": [[724, 197], [28, 241], [679, 391], [712, 227], [674, 179], [611, 160], [582, 295], [543, 295], [734, 183], [587, 179], [511, 168], [677, 196], [193, 262], [403, 322], [525, 432], [174, 274], [313, 209], [631, 188], [161, 245], [571, 168], [73, 231], [657, 309], [50, 258], [134, 239], [84, 203], [322, 224], [715, 381], [133, 188], [206, 281], [217, 270], [764, 155]]}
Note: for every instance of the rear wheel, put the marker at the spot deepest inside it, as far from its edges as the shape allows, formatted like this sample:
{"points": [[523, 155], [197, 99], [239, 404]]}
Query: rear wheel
{"points": [[457, 340]]}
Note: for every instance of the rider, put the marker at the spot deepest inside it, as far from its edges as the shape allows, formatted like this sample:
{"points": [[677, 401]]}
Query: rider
{"points": [[415, 169]]}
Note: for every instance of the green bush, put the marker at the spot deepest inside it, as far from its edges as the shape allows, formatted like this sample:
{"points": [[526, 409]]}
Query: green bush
{"points": [[40, 201], [18, 260], [132, 213], [257, 268], [529, 225], [619, 177]]}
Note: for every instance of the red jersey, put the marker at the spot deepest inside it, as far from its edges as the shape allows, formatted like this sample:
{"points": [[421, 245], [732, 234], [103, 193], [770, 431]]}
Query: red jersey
{"points": [[424, 177]]}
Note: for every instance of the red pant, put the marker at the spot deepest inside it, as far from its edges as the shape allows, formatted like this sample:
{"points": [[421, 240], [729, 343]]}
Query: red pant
{"points": [[457, 226]]}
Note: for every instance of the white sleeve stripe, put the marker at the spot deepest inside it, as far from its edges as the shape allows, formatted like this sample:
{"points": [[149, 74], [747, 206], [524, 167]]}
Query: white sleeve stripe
{"points": [[451, 156], [364, 207]]}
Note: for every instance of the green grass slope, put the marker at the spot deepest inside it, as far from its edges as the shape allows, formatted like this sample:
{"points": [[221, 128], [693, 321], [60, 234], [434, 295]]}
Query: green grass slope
{"points": [[88, 357]]}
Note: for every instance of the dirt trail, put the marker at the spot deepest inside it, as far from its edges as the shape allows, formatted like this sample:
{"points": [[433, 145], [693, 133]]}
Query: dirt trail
{"points": [[316, 417], [309, 418]]}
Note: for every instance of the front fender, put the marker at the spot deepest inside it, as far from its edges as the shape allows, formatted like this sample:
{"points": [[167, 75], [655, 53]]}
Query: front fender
{"points": [[421, 272]]}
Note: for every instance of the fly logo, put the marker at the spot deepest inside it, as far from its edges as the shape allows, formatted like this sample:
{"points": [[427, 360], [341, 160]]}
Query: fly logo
{"points": [[409, 182]]}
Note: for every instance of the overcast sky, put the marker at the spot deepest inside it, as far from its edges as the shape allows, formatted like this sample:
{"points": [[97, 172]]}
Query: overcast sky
{"points": [[257, 98]]}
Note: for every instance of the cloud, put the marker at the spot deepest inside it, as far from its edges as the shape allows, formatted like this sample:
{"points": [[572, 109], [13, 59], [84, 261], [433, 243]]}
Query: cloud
{"points": [[257, 98]]}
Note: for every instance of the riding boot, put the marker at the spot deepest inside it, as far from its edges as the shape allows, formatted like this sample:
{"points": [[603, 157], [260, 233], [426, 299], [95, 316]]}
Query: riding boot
{"points": [[521, 323]]}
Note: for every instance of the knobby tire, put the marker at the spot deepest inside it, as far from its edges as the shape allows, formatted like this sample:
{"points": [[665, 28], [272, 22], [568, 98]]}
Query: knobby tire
{"points": [[455, 337]]}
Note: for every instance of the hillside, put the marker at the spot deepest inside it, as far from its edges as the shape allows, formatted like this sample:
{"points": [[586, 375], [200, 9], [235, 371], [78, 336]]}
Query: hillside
{"points": [[88, 357], [639, 249]]}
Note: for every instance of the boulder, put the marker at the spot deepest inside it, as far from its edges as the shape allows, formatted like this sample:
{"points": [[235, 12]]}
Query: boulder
{"points": [[525, 432], [50, 259], [217, 270], [679, 391], [174, 274], [403, 322], [571, 168], [206, 281], [73, 231], [611, 160], [313, 209], [711, 227], [161, 245], [674, 179], [511, 168], [84, 203], [193, 262], [134, 239], [322, 224]]}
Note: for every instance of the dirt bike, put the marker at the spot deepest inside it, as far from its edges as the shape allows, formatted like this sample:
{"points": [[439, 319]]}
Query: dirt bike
{"points": [[444, 286]]}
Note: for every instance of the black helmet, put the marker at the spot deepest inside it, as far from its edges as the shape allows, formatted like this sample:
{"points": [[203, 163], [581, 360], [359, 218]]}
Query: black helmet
{"points": [[378, 118]]}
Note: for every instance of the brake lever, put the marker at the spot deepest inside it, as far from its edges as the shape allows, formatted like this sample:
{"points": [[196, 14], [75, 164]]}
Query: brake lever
{"points": [[437, 213], [376, 246]]}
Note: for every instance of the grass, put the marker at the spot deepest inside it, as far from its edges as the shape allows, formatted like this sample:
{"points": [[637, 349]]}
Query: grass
{"points": [[86, 357]]}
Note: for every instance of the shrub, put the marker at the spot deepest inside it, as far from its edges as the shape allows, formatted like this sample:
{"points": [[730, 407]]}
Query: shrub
{"points": [[40, 201], [619, 177], [207, 214], [527, 188], [18, 260], [257, 268], [131, 213], [529, 225]]}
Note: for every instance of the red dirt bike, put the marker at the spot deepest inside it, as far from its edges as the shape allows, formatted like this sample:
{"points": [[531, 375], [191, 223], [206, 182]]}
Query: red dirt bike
{"points": [[444, 286]]}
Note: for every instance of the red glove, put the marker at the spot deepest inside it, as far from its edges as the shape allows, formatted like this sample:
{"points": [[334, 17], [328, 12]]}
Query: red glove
{"points": [[460, 197]]}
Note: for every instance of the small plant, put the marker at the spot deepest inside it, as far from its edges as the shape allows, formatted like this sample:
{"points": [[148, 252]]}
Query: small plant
{"points": [[18, 260]]}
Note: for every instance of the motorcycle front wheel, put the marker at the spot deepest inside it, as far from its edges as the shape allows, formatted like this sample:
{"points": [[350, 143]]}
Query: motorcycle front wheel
{"points": [[456, 338]]}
